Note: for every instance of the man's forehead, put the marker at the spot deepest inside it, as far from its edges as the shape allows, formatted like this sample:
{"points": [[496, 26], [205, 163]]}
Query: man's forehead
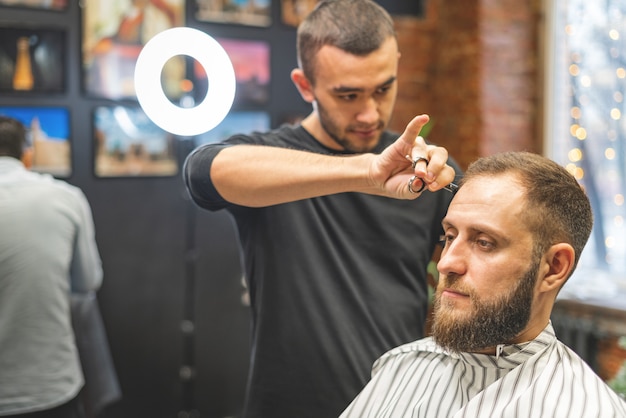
{"points": [[487, 198], [332, 59], [492, 186], [344, 88]]}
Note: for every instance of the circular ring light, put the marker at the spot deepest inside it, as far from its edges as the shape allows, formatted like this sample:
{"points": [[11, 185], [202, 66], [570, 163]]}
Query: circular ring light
{"points": [[217, 65]]}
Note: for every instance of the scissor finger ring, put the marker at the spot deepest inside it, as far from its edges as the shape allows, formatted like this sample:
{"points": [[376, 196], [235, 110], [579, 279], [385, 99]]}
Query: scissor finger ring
{"points": [[411, 180], [416, 160]]}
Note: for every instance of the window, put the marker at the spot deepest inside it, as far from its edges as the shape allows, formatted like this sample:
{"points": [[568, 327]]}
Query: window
{"points": [[586, 127]]}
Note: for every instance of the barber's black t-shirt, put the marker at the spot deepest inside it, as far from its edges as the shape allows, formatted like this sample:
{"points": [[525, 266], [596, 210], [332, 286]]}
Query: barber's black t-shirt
{"points": [[335, 281]]}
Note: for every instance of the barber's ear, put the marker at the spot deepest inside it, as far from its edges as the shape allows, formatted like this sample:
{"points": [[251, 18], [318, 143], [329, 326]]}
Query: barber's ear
{"points": [[303, 85], [560, 262]]}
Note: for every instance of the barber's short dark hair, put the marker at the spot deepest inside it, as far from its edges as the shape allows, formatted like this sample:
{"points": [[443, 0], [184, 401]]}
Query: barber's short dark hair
{"points": [[358, 27], [12, 137], [557, 208]]}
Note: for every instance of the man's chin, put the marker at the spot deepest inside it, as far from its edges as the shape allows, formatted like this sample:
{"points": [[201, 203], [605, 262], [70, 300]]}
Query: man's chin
{"points": [[361, 146], [447, 328], [453, 312]]}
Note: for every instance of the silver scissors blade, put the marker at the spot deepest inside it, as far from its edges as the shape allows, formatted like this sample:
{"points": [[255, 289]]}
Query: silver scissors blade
{"points": [[452, 188]]}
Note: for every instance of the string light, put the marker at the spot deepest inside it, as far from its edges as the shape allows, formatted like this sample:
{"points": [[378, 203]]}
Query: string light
{"points": [[575, 155], [616, 114], [581, 133], [609, 153], [594, 149]]}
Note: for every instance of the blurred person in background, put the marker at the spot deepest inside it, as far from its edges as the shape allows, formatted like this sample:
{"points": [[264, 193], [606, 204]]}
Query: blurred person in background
{"points": [[47, 252]]}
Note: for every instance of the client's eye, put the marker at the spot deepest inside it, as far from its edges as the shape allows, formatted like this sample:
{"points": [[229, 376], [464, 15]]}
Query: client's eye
{"points": [[444, 239]]}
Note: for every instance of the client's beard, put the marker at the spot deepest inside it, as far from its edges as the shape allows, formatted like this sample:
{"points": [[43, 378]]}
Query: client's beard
{"points": [[491, 322]]}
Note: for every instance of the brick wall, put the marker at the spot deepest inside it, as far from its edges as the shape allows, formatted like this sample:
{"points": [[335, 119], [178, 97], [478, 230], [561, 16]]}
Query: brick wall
{"points": [[610, 358], [474, 67]]}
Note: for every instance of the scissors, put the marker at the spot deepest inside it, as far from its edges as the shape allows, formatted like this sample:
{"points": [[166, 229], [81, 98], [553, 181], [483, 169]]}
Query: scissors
{"points": [[452, 187]]}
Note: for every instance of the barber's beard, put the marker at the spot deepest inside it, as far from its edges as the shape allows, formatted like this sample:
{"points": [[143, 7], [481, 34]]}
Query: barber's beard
{"points": [[340, 135], [491, 322]]}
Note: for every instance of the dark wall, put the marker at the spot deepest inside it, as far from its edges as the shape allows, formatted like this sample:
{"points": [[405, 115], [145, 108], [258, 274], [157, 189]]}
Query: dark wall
{"points": [[171, 297], [165, 261]]}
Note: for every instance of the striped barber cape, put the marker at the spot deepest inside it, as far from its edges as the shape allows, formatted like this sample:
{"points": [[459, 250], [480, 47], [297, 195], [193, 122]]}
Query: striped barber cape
{"points": [[540, 378]]}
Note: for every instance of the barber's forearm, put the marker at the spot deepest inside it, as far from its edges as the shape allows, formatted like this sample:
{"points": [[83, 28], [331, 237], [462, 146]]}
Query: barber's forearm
{"points": [[256, 176]]}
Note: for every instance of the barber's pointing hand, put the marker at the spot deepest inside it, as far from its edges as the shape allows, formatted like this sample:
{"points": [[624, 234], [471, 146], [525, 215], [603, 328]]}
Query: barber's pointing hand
{"points": [[410, 157]]}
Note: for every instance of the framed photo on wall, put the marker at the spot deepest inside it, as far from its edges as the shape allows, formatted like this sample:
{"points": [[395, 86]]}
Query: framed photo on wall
{"points": [[48, 134], [32, 59], [235, 122], [243, 12], [114, 32], [128, 144], [293, 12], [36, 4], [251, 61]]}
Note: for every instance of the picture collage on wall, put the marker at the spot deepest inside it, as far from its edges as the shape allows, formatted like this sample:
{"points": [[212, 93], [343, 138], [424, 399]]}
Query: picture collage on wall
{"points": [[37, 4], [48, 132], [33, 62], [32, 59], [127, 144], [244, 12], [114, 33]]}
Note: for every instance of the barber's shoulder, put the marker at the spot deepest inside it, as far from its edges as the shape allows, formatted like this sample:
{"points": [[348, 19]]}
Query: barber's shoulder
{"points": [[285, 136]]}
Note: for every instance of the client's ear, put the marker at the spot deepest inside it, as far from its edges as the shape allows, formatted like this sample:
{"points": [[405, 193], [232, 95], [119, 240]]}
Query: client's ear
{"points": [[560, 259]]}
